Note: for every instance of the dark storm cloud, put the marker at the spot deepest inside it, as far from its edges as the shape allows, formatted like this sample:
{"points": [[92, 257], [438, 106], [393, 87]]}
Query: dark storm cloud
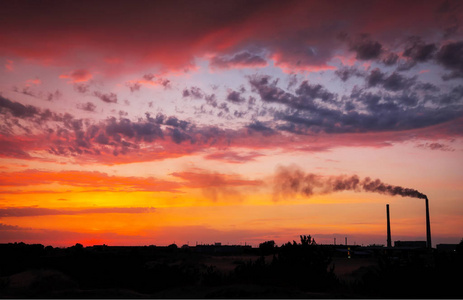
{"points": [[305, 97], [70, 136], [309, 92], [419, 51], [173, 121], [17, 109], [179, 136], [451, 98], [390, 59], [366, 48], [451, 57], [399, 104], [392, 82], [141, 130]]}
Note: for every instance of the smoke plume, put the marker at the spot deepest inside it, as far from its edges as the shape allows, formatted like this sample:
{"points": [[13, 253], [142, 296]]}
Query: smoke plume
{"points": [[291, 181]]}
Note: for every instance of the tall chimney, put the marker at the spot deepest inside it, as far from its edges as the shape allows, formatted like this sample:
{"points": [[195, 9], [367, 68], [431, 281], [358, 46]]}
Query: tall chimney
{"points": [[389, 242], [428, 226]]}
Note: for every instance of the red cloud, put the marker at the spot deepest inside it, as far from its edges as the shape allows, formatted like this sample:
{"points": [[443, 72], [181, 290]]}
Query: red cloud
{"points": [[9, 65], [301, 34], [77, 76]]}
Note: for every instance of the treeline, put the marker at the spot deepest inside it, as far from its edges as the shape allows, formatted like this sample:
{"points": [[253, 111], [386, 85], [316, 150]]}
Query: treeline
{"points": [[301, 266]]}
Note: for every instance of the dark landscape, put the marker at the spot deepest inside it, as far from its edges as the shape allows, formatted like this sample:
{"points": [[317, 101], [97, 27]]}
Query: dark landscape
{"points": [[302, 269]]}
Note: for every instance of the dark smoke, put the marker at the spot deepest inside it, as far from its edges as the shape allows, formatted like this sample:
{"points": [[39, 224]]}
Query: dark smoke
{"points": [[291, 181]]}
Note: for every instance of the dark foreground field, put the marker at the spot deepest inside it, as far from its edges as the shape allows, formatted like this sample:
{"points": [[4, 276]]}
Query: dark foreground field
{"points": [[294, 270]]}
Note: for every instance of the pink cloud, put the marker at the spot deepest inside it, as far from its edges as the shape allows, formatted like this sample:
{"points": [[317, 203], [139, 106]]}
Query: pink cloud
{"points": [[35, 81], [233, 156], [77, 76], [9, 65]]}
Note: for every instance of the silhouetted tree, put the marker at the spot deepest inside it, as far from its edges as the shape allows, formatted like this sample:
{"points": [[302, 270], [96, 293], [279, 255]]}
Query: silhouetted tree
{"points": [[267, 247], [303, 265]]}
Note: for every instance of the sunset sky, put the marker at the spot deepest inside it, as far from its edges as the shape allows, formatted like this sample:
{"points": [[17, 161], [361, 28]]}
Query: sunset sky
{"points": [[160, 122]]}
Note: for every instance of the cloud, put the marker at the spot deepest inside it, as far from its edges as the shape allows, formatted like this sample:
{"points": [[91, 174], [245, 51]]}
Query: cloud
{"points": [[260, 127], [77, 76], [435, 146], [89, 106], [33, 211], [216, 185], [82, 88], [390, 59], [392, 82], [9, 65], [235, 97], [205, 179], [17, 109], [277, 118], [108, 98], [296, 35], [419, 51], [193, 92], [148, 80], [366, 49], [399, 104], [84, 179], [134, 86], [239, 60], [451, 57], [233, 157], [345, 73], [10, 227], [305, 95]]}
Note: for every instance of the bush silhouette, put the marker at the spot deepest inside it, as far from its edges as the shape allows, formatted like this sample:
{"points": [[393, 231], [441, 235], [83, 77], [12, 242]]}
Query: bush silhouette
{"points": [[303, 265]]}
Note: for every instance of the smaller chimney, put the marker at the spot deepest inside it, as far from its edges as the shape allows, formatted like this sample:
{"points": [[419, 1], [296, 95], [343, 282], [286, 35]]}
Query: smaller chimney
{"points": [[389, 240]]}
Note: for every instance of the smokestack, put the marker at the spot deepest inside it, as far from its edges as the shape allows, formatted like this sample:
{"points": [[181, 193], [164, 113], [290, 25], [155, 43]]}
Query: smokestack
{"points": [[428, 226], [389, 241]]}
